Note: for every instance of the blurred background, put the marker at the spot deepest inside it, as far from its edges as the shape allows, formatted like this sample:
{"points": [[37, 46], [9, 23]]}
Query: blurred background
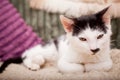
{"points": [[48, 26]]}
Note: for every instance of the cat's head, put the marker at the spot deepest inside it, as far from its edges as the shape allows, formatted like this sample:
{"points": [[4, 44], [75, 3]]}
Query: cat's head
{"points": [[89, 32]]}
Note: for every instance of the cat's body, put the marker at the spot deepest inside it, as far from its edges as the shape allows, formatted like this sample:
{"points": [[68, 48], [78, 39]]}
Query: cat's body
{"points": [[85, 47]]}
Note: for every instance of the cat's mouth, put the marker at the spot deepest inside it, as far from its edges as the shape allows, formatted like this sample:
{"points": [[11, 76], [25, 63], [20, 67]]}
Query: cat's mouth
{"points": [[93, 53]]}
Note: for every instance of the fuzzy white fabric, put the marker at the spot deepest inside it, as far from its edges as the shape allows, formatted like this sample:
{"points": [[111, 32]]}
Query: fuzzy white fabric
{"points": [[76, 8], [50, 72]]}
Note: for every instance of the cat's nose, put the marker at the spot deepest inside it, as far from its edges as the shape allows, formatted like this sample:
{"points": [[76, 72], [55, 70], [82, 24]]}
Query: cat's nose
{"points": [[95, 50]]}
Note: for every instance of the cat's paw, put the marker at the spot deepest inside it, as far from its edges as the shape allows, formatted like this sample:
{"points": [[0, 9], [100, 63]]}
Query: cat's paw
{"points": [[34, 63], [34, 67], [103, 66], [66, 67], [30, 65], [38, 60]]}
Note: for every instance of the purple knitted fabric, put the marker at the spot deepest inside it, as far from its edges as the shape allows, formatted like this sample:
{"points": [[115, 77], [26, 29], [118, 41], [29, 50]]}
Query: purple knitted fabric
{"points": [[15, 35]]}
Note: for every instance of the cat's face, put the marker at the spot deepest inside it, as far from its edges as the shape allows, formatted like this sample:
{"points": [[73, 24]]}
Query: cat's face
{"points": [[90, 33]]}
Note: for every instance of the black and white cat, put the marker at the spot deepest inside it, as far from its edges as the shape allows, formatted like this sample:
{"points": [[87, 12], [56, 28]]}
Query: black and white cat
{"points": [[85, 47]]}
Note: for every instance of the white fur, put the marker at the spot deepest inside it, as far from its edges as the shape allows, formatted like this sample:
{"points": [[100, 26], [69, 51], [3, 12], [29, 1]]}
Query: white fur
{"points": [[36, 56], [73, 53]]}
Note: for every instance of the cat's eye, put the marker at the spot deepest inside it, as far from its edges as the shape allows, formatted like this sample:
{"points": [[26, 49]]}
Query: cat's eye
{"points": [[100, 36], [82, 39]]}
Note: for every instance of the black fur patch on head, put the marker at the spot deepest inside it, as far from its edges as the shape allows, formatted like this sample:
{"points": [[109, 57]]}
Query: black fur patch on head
{"points": [[94, 22], [91, 21]]}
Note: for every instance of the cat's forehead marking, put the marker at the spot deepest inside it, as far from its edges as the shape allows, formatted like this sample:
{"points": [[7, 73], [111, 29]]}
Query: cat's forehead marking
{"points": [[91, 21], [90, 33]]}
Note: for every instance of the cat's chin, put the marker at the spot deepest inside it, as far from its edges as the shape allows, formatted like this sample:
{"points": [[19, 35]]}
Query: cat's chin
{"points": [[93, 54]]}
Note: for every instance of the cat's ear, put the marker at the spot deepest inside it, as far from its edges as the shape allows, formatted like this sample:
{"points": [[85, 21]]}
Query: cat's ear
{"points": [[105, 15], [67, 23]]}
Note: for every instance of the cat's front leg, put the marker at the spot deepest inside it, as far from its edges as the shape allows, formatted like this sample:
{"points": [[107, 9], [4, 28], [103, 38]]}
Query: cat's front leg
{"points": [[34, 63], [68, 67], [32, 58], [102, 66]]}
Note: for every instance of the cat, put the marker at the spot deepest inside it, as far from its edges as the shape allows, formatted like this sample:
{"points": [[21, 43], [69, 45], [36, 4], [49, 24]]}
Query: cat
{"points": [[80, 7], [84, 47]]}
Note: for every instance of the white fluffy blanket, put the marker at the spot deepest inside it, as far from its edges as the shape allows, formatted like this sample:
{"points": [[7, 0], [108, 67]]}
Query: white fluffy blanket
{"points": [[19, 72]]}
